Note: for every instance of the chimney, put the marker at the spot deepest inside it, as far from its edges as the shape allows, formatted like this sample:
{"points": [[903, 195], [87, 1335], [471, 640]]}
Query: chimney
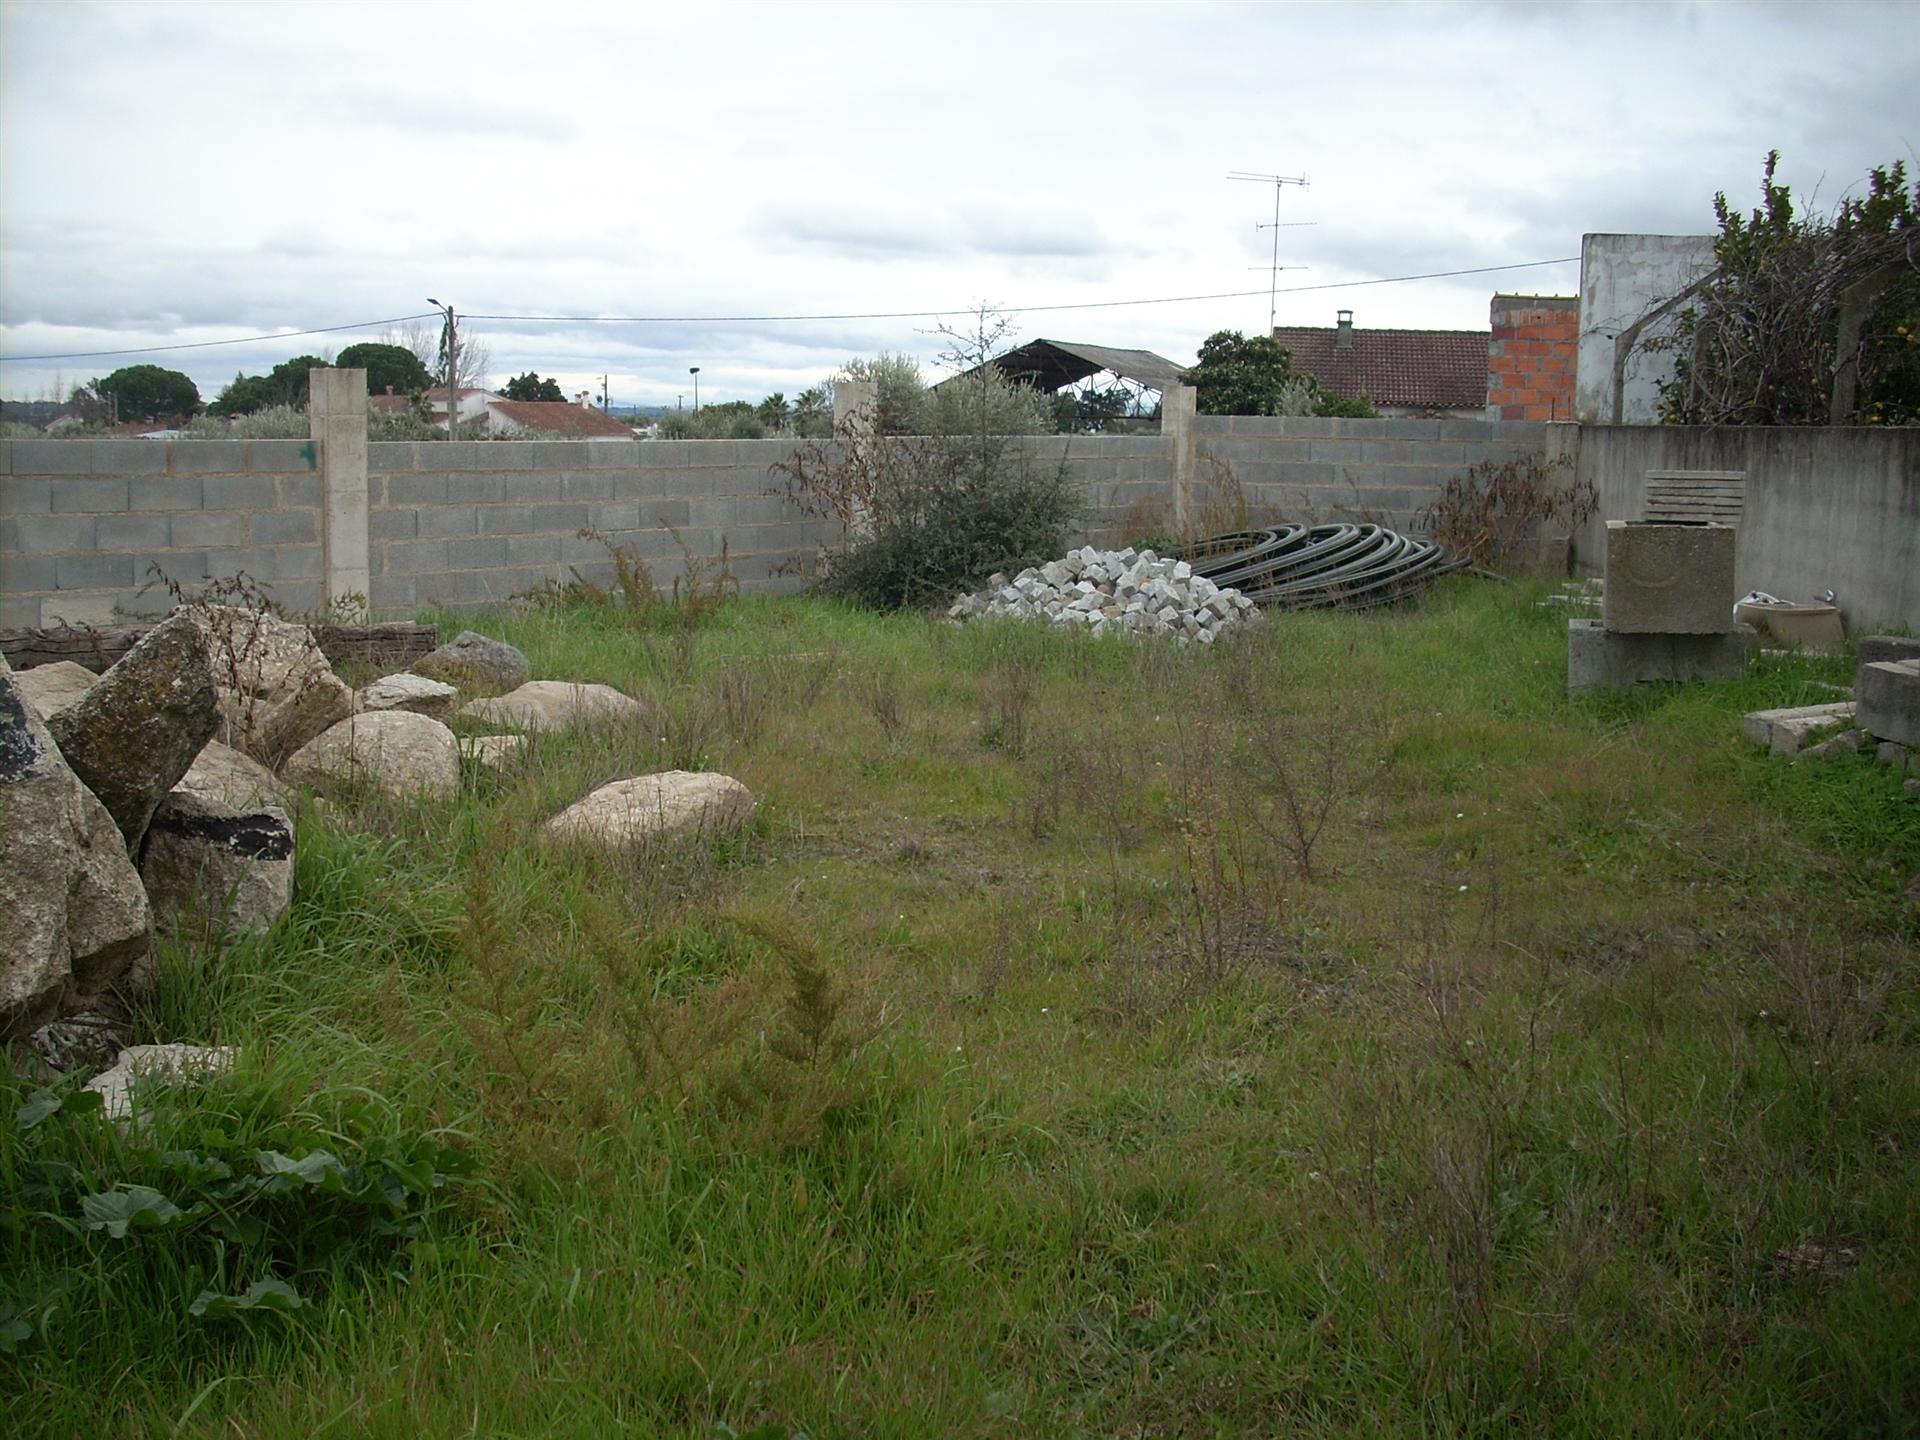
{"points": [[389, 389], [582, 399], [1343, 330]]}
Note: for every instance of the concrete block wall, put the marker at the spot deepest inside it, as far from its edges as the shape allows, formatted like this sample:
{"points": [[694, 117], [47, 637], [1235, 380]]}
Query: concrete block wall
{"points": [[1320, 470], [83, 523], [473, 523], [1822, 508], [1125, 482]]}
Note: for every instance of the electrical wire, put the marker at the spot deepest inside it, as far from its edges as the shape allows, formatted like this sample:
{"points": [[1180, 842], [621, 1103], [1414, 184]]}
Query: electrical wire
{"points": [[779, 319]]}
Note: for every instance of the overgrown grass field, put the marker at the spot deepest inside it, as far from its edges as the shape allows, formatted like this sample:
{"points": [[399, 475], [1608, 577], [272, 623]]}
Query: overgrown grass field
{"points": [[1334, 1032]]}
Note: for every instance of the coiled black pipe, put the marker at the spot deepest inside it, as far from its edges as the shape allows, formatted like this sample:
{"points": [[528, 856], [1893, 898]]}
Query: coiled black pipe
{"points": [[1297, 567]]}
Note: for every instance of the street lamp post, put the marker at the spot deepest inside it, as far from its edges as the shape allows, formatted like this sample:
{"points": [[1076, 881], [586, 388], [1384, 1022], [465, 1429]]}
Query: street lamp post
{"points": [[453, 364], [694, 371]]}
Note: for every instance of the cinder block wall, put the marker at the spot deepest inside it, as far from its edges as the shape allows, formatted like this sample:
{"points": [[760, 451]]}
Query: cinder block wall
{"points": [[1315, 470], [474, 523], [1823, 508], [83, 523], [1125, 481]]}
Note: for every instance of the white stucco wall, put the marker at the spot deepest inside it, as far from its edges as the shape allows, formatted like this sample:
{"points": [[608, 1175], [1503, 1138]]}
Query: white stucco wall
{"points": [[1622, 277]]}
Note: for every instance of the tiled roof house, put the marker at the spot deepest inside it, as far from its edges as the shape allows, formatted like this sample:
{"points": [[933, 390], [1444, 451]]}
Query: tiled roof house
{"points": [[554, 420], [1403, 372]]}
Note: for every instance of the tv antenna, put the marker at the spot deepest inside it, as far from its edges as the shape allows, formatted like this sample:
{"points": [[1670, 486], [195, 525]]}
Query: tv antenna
{"points": [[1273, 269]]}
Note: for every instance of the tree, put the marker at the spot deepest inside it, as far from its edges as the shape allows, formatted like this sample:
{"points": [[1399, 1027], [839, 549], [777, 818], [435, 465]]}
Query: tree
{"points": [[774, 412], [1236, 375], [813, 413], [1807, 319], [386, 365], [532, 387], [246, 394], [147, 392], [288, 381]]}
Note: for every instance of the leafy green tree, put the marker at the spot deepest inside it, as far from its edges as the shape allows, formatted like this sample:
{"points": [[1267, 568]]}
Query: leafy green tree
{"points": [[1237, 375], [386, 365], [532, 387], [147, 392], [290, 378], [243, 395], [813, 413]]}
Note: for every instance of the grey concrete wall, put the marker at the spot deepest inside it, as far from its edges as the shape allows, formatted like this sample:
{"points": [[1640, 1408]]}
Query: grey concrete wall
{"points": [[1622, 278], [1823, 508], [473, 523], [83, 523], [1309, 469]]}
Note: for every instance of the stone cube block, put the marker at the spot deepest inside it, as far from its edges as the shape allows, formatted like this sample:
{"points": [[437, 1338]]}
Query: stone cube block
{"points": [[1886, 697], [1599, 659], [1669, 579]]}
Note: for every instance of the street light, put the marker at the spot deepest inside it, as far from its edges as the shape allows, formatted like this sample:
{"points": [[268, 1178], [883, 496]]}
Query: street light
{"points": [[694, 371], [453, 367]]}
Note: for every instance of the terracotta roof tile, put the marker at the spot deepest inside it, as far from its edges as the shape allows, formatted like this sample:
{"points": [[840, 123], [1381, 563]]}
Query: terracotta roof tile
{"points": [[560, 417], [1430, 369]]}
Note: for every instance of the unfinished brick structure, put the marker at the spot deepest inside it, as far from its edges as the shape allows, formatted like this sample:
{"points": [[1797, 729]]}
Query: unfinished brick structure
{"points": [[1530, 358]]}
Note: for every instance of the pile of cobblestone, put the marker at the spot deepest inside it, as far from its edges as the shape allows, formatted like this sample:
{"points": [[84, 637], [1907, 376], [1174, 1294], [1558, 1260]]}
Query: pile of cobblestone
{"points": [[1135, 592]]}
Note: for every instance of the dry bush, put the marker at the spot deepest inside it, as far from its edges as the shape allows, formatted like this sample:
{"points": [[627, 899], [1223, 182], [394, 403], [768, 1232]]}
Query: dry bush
{"points": [[1496, 513]]}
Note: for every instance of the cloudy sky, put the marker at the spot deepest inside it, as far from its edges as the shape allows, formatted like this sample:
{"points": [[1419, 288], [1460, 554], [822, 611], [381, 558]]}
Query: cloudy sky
{"points": [[183, 173]]}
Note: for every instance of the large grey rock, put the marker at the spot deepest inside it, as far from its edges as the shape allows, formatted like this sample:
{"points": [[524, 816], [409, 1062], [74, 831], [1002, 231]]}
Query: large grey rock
{"points": [[495, 753], [131, 737], [410, 692], [276, 690], [477, 664], [233, 778], [52, 688], [144, 1065], [395, 750], [209, 866], [558, 705], [74, 919], [672, 804]]}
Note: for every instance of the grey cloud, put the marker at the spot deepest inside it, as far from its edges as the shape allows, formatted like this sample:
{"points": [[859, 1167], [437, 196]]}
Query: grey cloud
{"points": [[487, 118]]}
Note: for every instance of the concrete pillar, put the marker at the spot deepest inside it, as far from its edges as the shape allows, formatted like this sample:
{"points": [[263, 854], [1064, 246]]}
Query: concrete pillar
{"points": [[856, 416], [337, 423], [1179, 405]]}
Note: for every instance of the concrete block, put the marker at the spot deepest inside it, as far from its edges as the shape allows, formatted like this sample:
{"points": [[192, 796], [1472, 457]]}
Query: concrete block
{"points": [[438, 522], [127, 457], [282, 456], [416, 489], [588, 485], [297, 597], [475, 487], [89, 497], [51, 457], [422, 558], [238, 492], [393, 593], [1598, 658], [165, 492], [25, 497], [19, 612], [214, 529], [618, 515], [1874, 648], [132, 532], [93, 572], [533, 550], [26, 572], [560, 454], [1786, 731], [561, 517], [298, 492], [286, 527], [1892, 752], [393, 524], [505, 519], [613, 454], [477, 553], [210, 457], [447, 455], [677, 513], [1669, 579], [81, 607], [1886, 698], [6, 457], [55, 534]]}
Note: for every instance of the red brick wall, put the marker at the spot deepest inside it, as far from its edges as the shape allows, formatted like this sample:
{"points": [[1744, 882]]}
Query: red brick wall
{"points": [[1530, 358]]}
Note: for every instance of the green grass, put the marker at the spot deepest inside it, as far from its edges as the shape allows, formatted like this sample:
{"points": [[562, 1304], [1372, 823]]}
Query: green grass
{"points": [[1515, 1105]]}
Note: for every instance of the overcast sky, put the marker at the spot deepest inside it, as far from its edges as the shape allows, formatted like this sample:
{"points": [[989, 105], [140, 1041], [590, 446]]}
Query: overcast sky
{"points": [[179, 173]]}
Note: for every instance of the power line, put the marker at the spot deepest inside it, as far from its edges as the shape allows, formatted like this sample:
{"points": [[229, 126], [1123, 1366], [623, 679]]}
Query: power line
{"points": [[781, 319], [209, 344], [1008, 309]]}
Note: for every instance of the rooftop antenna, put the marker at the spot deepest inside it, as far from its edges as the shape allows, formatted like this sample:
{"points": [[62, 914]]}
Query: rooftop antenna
{"points": [[1273, 270]]}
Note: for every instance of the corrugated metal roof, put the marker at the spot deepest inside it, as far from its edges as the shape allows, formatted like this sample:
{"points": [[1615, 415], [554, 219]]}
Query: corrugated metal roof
{"points": [[1050, 364]]}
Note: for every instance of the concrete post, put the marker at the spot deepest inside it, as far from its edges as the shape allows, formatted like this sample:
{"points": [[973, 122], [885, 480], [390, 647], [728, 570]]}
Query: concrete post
{"points": [[337, 422], [856, 414], [1179, 405]]}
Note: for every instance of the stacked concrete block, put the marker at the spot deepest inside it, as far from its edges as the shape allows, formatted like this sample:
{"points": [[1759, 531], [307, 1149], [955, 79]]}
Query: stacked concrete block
{"points": [[1886, 698], [1667, 612]]}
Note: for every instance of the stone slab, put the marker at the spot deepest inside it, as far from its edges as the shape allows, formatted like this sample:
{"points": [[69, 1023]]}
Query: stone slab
{"points": [[1669, 579], [1872, 649], [1600, 659], [1786, 731], [1886, 698]]}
